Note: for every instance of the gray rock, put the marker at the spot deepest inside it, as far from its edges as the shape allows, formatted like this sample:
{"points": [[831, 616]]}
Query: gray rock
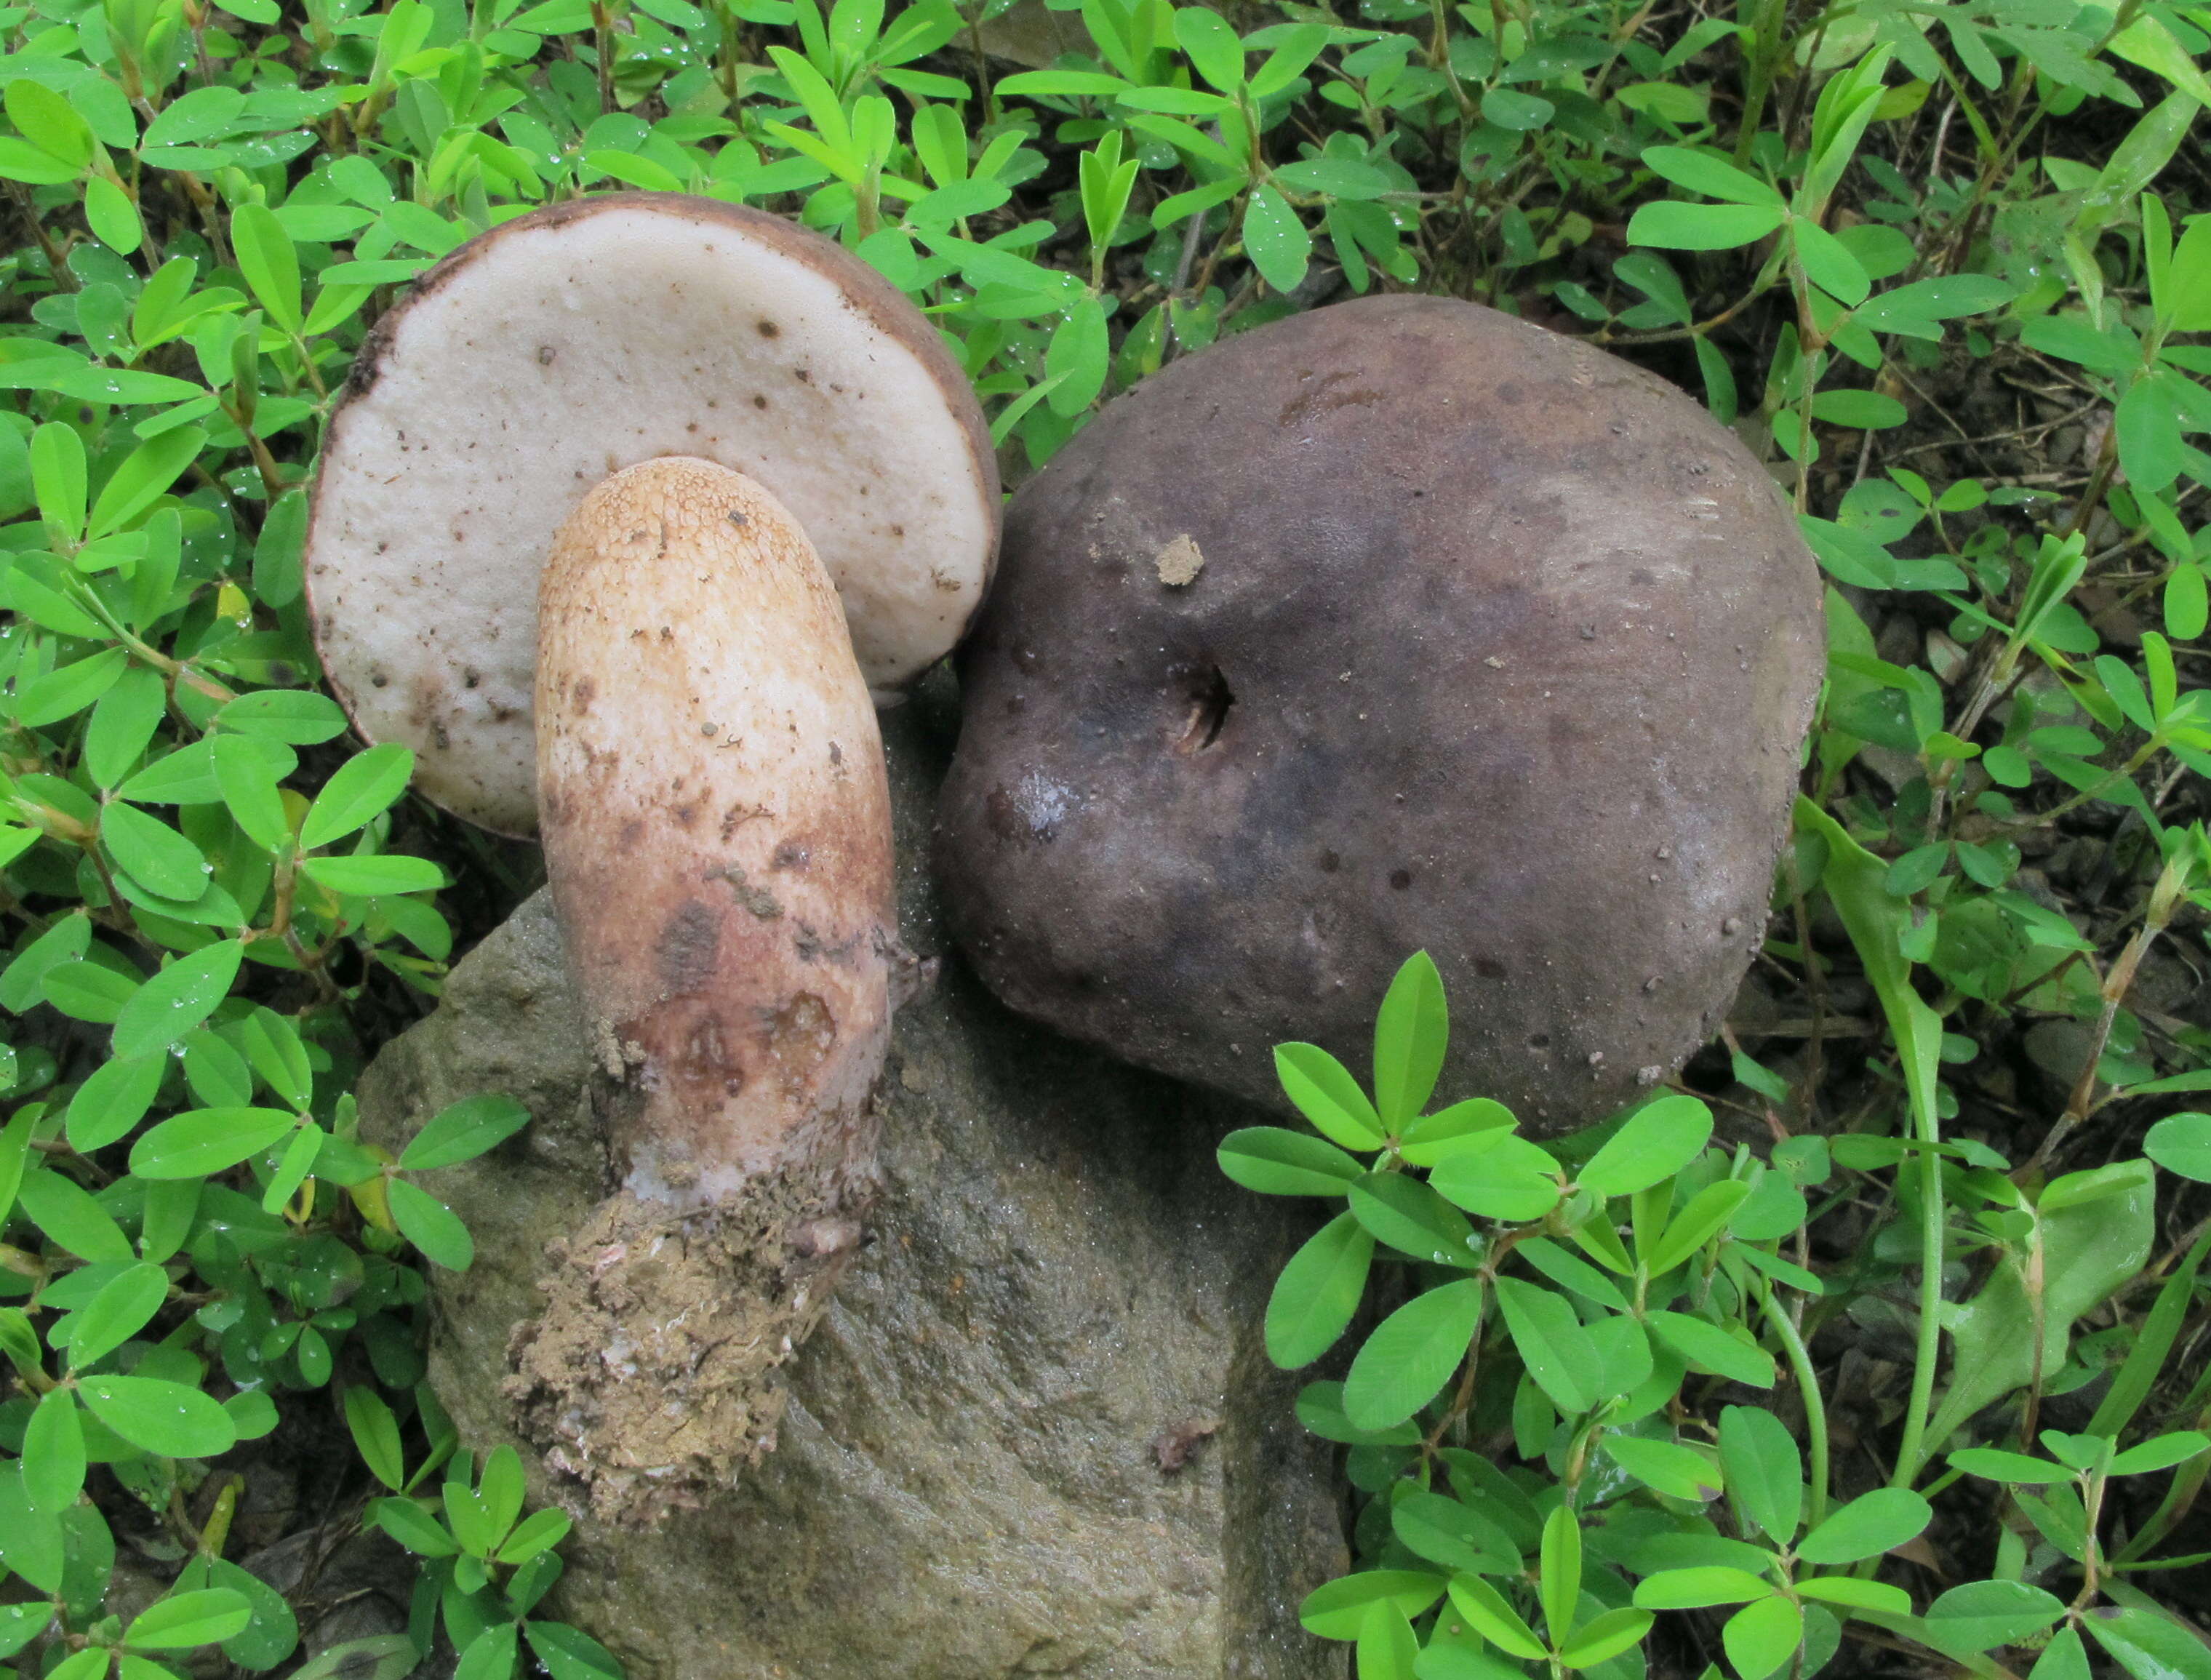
{"points": [[1037, 1433]]}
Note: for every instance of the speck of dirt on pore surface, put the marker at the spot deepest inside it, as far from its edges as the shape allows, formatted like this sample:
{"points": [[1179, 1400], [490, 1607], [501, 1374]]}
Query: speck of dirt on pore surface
{"points": [[1180, 562]]}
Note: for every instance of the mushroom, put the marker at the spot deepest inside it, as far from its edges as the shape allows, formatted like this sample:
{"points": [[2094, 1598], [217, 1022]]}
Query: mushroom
{"points": [[539, 358], [666, 690], [1398, 623]]}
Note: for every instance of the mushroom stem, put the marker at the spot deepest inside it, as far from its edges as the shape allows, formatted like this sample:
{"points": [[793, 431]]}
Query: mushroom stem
{"points": [[716, 818]]}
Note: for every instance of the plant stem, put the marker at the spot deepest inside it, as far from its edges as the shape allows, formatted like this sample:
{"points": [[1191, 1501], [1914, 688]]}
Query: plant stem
{"points": [[1808, 1383]]}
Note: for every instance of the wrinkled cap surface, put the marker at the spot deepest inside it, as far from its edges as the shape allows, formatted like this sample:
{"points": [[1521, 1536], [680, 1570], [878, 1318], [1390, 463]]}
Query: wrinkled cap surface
{"points": [[539, 358], [1397, 624]]}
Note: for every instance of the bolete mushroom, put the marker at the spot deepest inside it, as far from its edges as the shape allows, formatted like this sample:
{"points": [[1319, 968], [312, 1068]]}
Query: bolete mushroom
{"points": [[1399, 624], [536, 359], [564, 543]]}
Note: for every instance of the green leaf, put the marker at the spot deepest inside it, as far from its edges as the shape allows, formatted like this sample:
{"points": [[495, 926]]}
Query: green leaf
{"points": [[1387, 1648], [370, 877], [413, 1527], [1760, 1638], [248, 782], [28, 164], [1604, 1637], [1078, 358], [569, 1653], [1700, 172], [1325, 1093], [88, 991], [153, 853], [1828, 263], [114, 1100], [1215, 51], [1981, 1615], [1861, 411], [187, 1619], [58, 474], [1276, 1162], [1657, 1142], [490, 1655], [1320, 1408], [1855, 1594], [1487, 1612], [364, 787], [125, 1305], [1670, 224], [1411, 1354], [65, 1212], [1765, 1472], [1559, 1583], [295, 716], [1571, 1273], [1337, 1609], [2147, 1644], [1405, 1213], [1338, 177], [1679, 1471], [464, 1130], [1708, 1348], [44, 119], [376, 1434], [2161, 1452], [1870, 1525], [2010, 1467], [21, 1623], [166, 1418], [123, 724], [53, 1452], [1553, 1344], [201, 1140], [1515, 1180], [1515, 111], [537, 1532], [2062, 1658], [1412, 1031], [2088, 1249], [1696, 1224], [1275, 239], [2186, 306], [1452, 1533], [1471, 1126], [1700, 1587], [67, 690], [1317, 1292], [145, 474], [2182, 1143], [431, 1226], [270, 266], [272, 1046], [274, 1632], [176, 1000]]}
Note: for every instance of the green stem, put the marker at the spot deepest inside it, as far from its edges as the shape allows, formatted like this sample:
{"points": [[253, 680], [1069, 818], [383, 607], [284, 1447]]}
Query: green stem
{"points": [[1928, 1353], [1808, 1383]]}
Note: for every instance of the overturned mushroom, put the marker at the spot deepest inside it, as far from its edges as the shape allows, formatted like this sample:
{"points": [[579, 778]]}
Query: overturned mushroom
{"points": [[560, 347], [1401, 623], [666, 690]]}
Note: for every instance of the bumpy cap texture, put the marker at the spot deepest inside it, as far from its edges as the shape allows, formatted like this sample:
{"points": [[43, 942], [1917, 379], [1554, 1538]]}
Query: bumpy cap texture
{"points": [[559, 348], [1399, 624]]}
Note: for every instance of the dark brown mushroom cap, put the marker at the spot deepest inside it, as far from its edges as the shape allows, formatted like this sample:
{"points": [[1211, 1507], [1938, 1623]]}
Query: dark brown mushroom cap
{"points": [[1398, 624], [544, 355]]}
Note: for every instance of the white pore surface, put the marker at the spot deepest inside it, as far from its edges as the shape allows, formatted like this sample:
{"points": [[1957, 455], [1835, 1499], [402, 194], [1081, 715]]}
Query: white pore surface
{"points": [[559, 355]]}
